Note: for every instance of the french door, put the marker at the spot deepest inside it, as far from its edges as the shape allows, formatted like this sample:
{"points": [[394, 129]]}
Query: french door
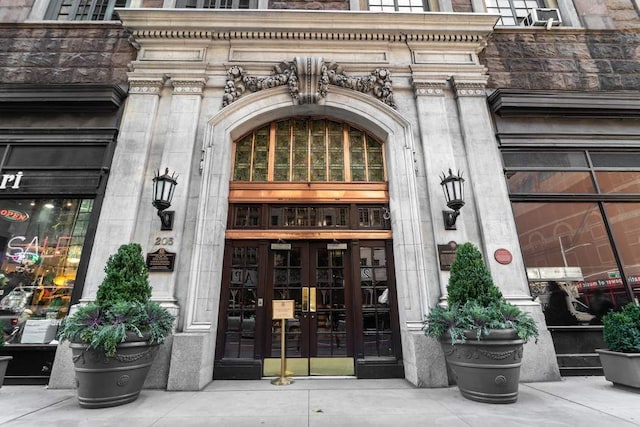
{"points": [[318, 340]]}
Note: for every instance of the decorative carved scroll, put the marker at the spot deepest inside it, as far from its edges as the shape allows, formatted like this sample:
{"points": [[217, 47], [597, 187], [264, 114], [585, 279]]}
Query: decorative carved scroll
{"points": [[308, 79]]}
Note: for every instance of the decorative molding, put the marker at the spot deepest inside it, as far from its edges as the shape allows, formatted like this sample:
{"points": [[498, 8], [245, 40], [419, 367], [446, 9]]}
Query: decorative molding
{"points": [[188, 86], [471, 29], [146, 86], [462, 88], [308, 80], [429, 88]]}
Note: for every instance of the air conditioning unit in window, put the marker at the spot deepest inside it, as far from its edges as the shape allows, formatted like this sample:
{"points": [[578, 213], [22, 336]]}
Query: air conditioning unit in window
{"points": [[542, 17]]}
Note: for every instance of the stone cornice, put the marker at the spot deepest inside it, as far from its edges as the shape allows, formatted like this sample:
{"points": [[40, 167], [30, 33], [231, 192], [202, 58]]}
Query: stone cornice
{"points": [[223, 24]]}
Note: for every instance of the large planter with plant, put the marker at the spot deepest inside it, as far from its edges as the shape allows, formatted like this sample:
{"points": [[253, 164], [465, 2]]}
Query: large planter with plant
{"points": [[4, 360], [621, 334], [114, 339], [482, 335]]}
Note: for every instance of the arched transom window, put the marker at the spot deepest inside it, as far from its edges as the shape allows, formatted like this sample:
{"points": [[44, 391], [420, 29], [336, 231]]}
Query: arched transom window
{"points": [[308, 150]]}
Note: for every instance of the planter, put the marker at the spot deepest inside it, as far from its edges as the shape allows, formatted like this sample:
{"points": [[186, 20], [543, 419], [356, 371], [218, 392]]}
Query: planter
{"points": [[487, 370], [111, 381], [4, 362], [620, 368]]}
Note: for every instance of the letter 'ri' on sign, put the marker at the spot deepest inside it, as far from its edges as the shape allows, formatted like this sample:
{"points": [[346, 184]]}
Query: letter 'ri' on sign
{"points": [[9, 178]]}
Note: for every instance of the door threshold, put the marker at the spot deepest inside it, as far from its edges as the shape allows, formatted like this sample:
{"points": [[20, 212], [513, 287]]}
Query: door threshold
{"points": [[319, 377]]}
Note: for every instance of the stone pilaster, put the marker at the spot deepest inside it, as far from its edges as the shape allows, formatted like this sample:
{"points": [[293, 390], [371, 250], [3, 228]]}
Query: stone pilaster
{"points": [[487, 186], [123, 195], [177, 145], [438, 155]]}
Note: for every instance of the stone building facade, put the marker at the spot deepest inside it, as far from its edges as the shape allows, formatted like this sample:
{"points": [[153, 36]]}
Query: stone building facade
{"points": [[438, 90]]}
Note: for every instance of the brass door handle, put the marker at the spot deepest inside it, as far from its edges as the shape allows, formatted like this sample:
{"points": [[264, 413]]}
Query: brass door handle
{"points": [[308, 299], [312, 300], [305, 299]]}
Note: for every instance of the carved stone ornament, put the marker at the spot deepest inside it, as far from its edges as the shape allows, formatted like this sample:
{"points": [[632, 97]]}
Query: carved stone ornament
{"points": [[188, 87], [145, 87], [468, 88], [308, 79]]}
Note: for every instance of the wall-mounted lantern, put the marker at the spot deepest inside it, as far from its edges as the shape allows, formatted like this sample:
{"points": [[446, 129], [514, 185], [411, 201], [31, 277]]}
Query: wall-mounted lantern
{"points": [[163, 187], [453, 187]]}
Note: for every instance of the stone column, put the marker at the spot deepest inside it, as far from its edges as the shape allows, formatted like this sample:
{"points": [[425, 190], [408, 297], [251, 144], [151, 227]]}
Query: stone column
{"points": [[487, 186], [123, 195]]}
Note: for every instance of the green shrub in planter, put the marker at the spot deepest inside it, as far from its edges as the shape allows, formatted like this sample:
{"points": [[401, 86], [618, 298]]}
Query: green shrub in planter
{"points": [[621, 330], [470, 279], [122, 307], [475, 304]]}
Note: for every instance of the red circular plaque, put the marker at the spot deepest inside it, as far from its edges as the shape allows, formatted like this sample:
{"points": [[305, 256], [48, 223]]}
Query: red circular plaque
{"points": [[503, 256]]}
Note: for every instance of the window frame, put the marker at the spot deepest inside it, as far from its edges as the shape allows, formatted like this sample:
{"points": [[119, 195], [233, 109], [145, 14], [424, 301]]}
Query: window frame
{"points": [[496, 8], [426, 7], [200, 4], [53, 12]]}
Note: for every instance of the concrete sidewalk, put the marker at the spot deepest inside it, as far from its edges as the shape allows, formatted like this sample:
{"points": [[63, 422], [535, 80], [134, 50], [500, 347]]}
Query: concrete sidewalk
{"points": [[574, 401]]}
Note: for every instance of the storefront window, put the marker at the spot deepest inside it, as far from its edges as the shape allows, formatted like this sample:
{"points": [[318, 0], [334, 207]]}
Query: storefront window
{"points": [[567, 252], [578, 219], [41, 242], [625, 226]]}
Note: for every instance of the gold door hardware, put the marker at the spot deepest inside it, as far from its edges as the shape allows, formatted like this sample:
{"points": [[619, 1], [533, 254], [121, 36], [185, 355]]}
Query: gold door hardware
{"points": [[308, 299], [312, 302], [305, 299]]}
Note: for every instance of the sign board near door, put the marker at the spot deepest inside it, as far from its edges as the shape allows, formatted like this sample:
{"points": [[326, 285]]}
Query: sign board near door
{"points": [[283, 309]]}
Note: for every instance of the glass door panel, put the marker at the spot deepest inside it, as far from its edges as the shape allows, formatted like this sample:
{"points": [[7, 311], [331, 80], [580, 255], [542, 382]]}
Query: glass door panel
{"points": [[317, 337], [376, 312]]}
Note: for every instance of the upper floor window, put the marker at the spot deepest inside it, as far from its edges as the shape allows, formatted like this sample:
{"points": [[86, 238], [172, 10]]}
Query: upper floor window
{"points": [[513, 12], [399, 5], [217, 4], [84, 10], [299, 150]]}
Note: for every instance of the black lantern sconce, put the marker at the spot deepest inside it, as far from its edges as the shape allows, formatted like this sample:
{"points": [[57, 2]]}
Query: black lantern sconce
{"points": [[453, 187], [163, 187]]}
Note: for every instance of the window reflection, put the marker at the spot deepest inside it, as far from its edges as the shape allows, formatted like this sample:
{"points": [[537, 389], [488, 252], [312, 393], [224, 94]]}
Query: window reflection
{"points": [[550, 182], [567, 243], [41, 243], [625, 226], [618, 182]]}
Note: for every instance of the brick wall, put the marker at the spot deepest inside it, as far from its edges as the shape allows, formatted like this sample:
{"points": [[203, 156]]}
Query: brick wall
{"points": [[563, 59], [91, 53]]}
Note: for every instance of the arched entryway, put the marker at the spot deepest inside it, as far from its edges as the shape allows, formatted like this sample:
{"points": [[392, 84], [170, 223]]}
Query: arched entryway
{"points": [[308, 222], [217, 196]]}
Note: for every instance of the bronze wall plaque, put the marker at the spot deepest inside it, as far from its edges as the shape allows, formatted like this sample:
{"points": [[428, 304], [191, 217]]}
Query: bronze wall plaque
{"points": [[161, 260], [446, 255]]}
